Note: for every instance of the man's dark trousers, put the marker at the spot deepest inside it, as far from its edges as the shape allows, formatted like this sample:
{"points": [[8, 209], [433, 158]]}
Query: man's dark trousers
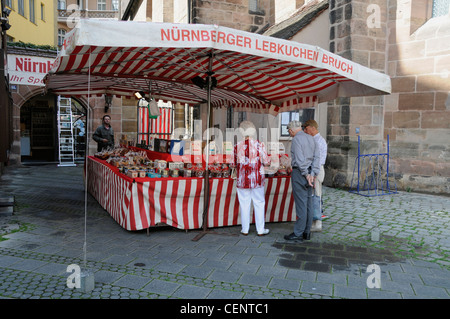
{"points": [[303, 202]]}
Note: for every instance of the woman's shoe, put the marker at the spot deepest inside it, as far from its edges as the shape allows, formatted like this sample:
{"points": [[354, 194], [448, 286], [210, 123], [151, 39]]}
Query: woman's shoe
{"points": [[265, 232]]}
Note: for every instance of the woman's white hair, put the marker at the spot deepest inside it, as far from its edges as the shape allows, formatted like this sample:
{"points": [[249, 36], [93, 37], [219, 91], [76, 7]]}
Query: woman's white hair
{"points": [[247, 128]]}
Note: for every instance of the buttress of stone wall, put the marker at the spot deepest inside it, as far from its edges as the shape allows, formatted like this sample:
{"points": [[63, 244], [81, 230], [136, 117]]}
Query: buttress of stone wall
{"points": [[417, 113]]}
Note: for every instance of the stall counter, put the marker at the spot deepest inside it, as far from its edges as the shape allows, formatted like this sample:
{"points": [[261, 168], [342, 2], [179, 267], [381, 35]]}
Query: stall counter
{"points": [[140, 203]]}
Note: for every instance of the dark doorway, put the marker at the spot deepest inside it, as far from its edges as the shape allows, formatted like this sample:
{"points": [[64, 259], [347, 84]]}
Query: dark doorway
{"points": [[38, 130]]}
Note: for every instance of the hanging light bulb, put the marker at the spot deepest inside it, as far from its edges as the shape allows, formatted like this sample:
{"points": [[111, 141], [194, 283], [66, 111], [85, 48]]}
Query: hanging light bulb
{"points": [[139, 95]]}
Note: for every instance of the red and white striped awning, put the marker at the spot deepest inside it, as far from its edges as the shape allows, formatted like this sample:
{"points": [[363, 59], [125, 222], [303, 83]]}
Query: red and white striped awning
{"points": [[254, 73]]}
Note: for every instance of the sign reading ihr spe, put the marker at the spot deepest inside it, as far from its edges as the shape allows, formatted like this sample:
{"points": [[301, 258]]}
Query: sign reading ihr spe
{"points": [[28, 70]]}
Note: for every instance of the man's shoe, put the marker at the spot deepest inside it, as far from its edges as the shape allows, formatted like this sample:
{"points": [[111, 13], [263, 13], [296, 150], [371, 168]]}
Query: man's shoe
{"points": [[316, 226], [265, 232], [307, 236], [245, 234], [292, 236]]}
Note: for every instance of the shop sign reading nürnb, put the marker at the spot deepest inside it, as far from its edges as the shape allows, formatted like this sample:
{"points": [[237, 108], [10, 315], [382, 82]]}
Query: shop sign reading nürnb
{"points": [[28, 70]]}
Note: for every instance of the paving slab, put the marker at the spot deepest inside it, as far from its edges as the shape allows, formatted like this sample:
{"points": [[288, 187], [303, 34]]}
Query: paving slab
{"points": [[285, 284], [161, 287], [192, 292], [132, 281], [107, 277], [254, 280], [225, 276]]}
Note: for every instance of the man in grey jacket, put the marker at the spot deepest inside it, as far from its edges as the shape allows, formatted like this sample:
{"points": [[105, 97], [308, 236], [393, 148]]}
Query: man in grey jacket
{"points": [[305, 167], [312, 128], [104, 134]]}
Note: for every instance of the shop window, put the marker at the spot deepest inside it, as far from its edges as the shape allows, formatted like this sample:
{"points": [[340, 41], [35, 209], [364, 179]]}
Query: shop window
{"points": [[9, 4], [194, 115], [101, 5], [32, 11], [422, 11], [61, 4], [42, 12], [61, 35], [242, 116], [301, 115], [115, 5], [440, 8], [230, 117], [254, 7], [21, 7]]}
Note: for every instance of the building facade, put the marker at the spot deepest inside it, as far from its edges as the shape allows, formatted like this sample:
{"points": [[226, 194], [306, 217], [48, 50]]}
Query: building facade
{"points": [[417, 114], [36, 33], [70, 11], [406, 39], [32, 21], [5, 97]]}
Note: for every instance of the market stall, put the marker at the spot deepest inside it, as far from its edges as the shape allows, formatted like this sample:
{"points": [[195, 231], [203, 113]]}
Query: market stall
{"points": [[194, 63], [138, 203]]}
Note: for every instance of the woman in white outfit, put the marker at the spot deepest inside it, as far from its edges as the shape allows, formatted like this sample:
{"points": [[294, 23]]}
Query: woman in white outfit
{"points": [[250, 156]]}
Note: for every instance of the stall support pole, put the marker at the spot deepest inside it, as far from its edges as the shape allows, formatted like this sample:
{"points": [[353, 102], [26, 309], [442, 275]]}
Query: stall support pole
{"points": [[206, 194], [87, 277], [206, 178]]}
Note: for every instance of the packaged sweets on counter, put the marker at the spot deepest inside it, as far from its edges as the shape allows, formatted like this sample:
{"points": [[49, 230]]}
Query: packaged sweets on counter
{"points": [[137, 164], [174, 172], [165, 172], [198, 170]]}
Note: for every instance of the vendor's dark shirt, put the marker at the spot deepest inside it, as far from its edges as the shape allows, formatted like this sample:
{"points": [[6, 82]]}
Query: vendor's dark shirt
{"points": [[103, 133]]}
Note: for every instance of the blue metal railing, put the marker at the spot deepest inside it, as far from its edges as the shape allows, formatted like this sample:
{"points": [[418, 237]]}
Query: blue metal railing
{"points": [[372, 174]]}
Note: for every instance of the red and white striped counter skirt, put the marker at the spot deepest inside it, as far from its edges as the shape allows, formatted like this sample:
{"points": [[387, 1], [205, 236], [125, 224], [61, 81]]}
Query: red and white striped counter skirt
{"points": [[140, 203]]}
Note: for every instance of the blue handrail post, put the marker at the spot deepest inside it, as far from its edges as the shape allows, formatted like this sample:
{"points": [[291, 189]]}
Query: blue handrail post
{"points": [[387, 164], [359, 156]]}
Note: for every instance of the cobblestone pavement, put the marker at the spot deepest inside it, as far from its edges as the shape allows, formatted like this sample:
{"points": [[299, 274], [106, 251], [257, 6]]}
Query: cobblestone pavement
{"points": [[46, 234]]}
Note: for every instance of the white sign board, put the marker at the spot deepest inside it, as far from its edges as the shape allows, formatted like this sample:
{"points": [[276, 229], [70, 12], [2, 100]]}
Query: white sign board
{"points": [[28, 70]]}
